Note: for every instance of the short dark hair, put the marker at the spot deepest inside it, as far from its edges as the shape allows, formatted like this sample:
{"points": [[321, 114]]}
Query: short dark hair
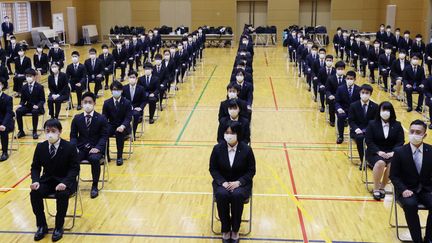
{"points": [[419, 122], [322, 49], [351, 73], [158, 56], [148, 65], [232, 103], [387, 106], [366, 87], [104, 46], [239, 70], [329, 57], [234, 125], [53, 123], [166, 51], [116, 85], [89, 94], [92, 50], [340, 64], [75, 53], [30, 71], [133, 72]]}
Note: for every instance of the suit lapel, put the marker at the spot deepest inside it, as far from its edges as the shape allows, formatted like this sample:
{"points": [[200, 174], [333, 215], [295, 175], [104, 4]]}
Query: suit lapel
{"points": [[425, 163], [237, 155]]}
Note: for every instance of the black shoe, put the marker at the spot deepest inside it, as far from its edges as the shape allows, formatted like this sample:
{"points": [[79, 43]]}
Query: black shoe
{"points": [[119, 162], [40, 233], [409, 109], [430, 126], [21, 134], [79, 107], [226, 241], [106, 87], [376, 195], [94, 192], [57, 234], [35, 135], [418, 109], [235, 241], [315, 99], [332, 124], [339, 140], [322, 109], [382, 193], [4, 157], [151, 121]]}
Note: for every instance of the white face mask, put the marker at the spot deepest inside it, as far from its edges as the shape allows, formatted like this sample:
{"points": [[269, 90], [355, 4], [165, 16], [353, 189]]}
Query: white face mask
{"points": [[126, 43], [401, 55], [388, 30], [376, 45], [364, 97], [239, 78], [418, 39], [180, 48], [167, 57], [230, 138], [406, 35], [56, 46], [88, 107], [29, 80], [147, 72], [233, 112], [385, 115], [367, 42], [105, 51], [339, 32], [74, 59], [55, 69], [21, 53], [119, 46], [329, 63], [39, 50], [340, 72], [309, 46], [232, 95], [116, 93], [158, 62], [314, 52], [13, 41], [134, 39], [52, 137], [322, 56], [92, 56], [397, 33], [387, 51], [414, 61], [350, 82], [415, 139], [132, 81]]}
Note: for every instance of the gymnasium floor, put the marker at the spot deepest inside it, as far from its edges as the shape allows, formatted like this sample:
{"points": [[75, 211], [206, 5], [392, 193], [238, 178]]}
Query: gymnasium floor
{"points": [[305, 189]]}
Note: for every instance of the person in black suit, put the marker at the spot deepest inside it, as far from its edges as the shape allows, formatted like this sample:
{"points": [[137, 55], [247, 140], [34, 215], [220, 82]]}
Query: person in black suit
{"points": [[233, 90], [246, 89], [413, 79], [309, 65], [232, 166], [373, 57], [130, 53], [383, 135], [333, 82], [95, 70], [428, 57], [32, 101], [22, 63], [337, 39], [411, 175], [12, 52], [418, 46], [120, 58], [107, 61], [151, 43], [385, 61], [160, 72], [4, 75], [345, 95], [151, 89], [323, 74], [380, 34], [40, 61], [364, 55], [397, 70], [359, 115], [136, 95], [406, 42], [317, 65], [118, 111], [396, 42], [7, 29], [77, 76], [59, 161], [89, 133], [6, 121], [428, 95], [182, 61], [169, 65], [59, 90], [234, 115], [56, 55]]}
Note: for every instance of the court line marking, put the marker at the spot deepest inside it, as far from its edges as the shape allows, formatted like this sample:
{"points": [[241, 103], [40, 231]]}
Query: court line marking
{"points": [[273, 93], [174, 236], [195, 106]]}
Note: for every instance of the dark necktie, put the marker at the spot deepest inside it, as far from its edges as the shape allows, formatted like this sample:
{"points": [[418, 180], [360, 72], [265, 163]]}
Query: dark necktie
{"points": [[328, 71], [30, 88], [377, 51], [350, 91], [158, 68], [415, 70], [148, 80], [93, 64], [339, 80], [88, 120], [75, 67], [364, 109], [388, 58], [52, 151], [116, 104]]}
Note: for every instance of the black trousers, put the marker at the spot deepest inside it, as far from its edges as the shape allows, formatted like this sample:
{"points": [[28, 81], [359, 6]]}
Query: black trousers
{"points": [[122, 67], [230, 202], [62, 200], [322, 95], [5, 41], [152, 106], [98, 83], [54, 106], [384, 75], [8, 63], [94, 160], [372, 68], [78, 90], [18, 83], [429, 65], [137, 118], [410, 207], [107, 72], [20, 112], [359, 139], [332, 109], [409, 92], [137, 61], [130, 62], [341, 122], [4, 138], [120, 139], [291, 54]]}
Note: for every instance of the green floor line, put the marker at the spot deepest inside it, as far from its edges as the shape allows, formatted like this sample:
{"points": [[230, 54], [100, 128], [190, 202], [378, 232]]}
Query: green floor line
{"points": [[195, 106]]}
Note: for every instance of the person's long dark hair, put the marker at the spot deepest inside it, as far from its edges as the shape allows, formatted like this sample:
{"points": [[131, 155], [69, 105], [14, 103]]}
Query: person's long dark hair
{"points": [[386, 106]]}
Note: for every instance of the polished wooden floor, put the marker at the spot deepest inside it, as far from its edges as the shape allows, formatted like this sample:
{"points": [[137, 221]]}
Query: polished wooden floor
{"points": [[305, 189]]}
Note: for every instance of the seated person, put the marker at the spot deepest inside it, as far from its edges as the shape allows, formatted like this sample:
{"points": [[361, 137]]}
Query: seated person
{"points": [[397, 70], [40, 61], [231, 187], [232, 93], [107, 61], [59, 90], [22, 63], [136, 95], [428, 95], [95, 70], [151, 89], [118, 111], [4, 75], [168, 64], [160, 72], [322, 77], [12, 52], [32, 102], [234, 115], [345, 95], [413, 78], [383, 135], [311, 58], [77, 75], [385, 61], [411, 175], [56, 55], [317, 65], [89, 133], [332, 84], [6, 121], [246, 89], [373, 55], [120, 58], [359, 115], [59, 162]]}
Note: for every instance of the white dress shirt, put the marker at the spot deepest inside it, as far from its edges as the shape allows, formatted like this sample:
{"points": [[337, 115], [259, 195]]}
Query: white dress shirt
{"points": [[231, 153], [413, 149], [56, 146], [386, 128]]}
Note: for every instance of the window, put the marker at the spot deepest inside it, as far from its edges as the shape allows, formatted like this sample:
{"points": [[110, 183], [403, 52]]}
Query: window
{"points": [[19, 14]]}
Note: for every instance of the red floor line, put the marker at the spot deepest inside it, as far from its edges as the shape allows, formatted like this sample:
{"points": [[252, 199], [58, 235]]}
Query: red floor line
{"points": [[300, 215], [273, 92], [17, 183]]}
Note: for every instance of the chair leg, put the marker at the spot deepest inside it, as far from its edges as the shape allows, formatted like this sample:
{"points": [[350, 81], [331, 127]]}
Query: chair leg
{"points": [[213, 215]]}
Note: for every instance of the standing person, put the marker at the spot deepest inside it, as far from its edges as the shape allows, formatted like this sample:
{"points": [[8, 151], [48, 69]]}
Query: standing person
{"points": [[7, 29]]}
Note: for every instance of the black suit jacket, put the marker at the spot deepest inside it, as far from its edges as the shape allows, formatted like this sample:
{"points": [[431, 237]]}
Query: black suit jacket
{"points": [[243, 136], [384, 62], [243, 168], [343, 100], [406, 45], [78, 76], [246, 92], [139, 99], [62, 168], [332, 84], [13, 51], [413, 79], [152, 88], [356, 116], [7, 29], [244, 111], [42, 62], [120, 115], [56, 56], [98, 68], [322, 75], [121, 56], [37, 97], [403, 173], [161, 75], [107, 61], [6, 112], [396, 70], [95, 136], [376, 141], [62, 87], [20, 68], [416, 48]]}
